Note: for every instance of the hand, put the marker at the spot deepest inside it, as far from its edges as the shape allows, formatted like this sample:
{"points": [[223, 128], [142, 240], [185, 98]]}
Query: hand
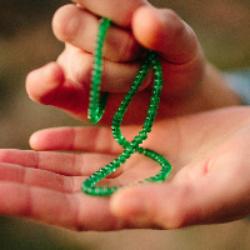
{"points": [[46, 186], [190, 84], [210, 184]]}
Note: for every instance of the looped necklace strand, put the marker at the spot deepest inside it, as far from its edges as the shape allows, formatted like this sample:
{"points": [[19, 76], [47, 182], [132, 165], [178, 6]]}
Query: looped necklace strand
{"points": [[96, 110]]}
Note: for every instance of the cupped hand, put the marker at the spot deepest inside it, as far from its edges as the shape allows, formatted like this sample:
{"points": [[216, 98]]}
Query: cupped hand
{"points": [[210, 183], [190, 84]]}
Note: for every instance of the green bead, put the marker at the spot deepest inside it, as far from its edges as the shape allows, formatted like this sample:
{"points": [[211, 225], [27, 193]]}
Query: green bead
{"points": [[97, 103]]}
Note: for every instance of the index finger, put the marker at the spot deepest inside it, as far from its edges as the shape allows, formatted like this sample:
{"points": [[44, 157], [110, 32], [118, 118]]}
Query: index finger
{"points": [[119, 11]]}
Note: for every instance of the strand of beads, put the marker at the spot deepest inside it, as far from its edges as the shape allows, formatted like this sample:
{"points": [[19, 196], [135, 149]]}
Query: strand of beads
{"points": [[97, 102], [96, 111]]}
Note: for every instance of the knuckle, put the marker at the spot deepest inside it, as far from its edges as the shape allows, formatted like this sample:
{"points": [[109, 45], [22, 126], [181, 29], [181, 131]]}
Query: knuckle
{"points": [[77, 65], [120, 46], [128, 48], [83, 72]]}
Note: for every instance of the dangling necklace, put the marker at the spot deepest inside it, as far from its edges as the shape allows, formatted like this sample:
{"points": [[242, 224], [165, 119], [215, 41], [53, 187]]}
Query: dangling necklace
{"points": [[97, 108]]}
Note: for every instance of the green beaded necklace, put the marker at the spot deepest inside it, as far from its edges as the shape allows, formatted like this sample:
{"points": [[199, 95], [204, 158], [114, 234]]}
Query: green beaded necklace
{"points": [[96, 110]]}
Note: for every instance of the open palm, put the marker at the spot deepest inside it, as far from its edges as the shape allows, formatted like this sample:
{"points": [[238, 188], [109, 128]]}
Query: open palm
{"points": [[208, 151]]}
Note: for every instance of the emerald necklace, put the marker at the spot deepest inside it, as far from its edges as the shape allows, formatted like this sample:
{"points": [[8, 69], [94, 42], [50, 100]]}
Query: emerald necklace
{"points": [[96, 110]]}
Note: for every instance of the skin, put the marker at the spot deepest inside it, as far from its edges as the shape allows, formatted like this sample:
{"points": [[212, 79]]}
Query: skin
{"points": [[210, 183], [45, 185], [190, 83]]}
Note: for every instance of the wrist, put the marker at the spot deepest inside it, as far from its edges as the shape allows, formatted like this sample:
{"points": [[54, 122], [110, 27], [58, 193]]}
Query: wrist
{"points": [[215, 90]]}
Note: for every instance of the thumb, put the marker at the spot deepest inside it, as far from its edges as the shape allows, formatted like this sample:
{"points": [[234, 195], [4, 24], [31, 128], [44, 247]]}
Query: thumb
{"points": [[164, 31], [198, 194], [160, 205]]}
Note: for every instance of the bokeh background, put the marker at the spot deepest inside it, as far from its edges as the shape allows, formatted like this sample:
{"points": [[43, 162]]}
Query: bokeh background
{"points": [[26, 42]]}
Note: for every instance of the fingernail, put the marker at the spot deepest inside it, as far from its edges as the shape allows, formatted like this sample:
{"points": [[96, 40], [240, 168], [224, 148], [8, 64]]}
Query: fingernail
{"points": [[33, 140]]}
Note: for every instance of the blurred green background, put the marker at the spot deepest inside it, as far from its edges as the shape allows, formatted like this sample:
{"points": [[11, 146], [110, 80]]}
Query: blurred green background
{"points": [[26, 42]]}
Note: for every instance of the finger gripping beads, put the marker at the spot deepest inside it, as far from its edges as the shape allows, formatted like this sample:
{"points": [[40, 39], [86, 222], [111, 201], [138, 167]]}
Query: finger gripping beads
{"points": [[96, 110]]}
